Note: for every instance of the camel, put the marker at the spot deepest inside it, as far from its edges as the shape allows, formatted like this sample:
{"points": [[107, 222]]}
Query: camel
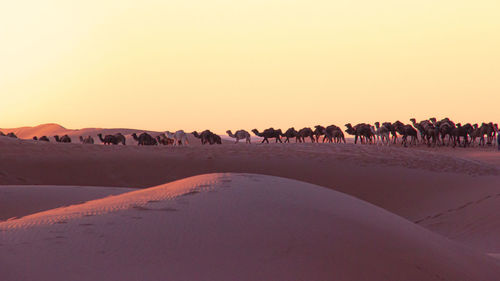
{"points": [[239, 135], [180, 137], [144, 139], [405, 131], [318, 132], [360, 130], [112, 139], [419, 127], [487, 129], [391, 129], [475, 134], [290, 133], [431, 133], [270, 133], [461, 131], [445, 128], [333, 133], [43, 138], [382, 133], [87, 140], [427, 130], [207, 137], [64, 139], [162, 139], [306, 133]]}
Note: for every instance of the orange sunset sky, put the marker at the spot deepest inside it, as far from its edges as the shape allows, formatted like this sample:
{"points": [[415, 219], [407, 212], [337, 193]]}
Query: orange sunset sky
{"points": [[197, 64]]}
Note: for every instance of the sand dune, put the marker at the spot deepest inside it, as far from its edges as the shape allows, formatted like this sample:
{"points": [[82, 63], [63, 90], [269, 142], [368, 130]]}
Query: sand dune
{"points": [[41, 130], [415, 184], [231, 227]]}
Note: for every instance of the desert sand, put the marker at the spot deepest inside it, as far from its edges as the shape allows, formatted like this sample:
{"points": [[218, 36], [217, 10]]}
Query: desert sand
{"points": [[372, 212], [232, 227]]}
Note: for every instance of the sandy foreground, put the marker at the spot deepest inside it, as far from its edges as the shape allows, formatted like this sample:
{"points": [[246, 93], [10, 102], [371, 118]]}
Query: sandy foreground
{"points": [[414, 214], [231, 227]]}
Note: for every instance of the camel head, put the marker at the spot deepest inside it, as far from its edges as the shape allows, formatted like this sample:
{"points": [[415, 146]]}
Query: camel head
{"points": [[350, 130], [413, 120], [256, 132]]}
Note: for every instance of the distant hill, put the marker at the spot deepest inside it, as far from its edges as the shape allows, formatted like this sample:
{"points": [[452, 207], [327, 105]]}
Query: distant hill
{"points": [[52, 129]]}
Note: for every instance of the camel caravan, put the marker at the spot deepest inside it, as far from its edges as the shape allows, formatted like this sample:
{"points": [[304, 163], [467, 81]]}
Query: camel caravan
{"points": [[427, 132]]}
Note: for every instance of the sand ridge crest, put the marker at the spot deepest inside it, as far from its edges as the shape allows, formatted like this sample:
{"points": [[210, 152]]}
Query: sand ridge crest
{"points": [[133, 199]]}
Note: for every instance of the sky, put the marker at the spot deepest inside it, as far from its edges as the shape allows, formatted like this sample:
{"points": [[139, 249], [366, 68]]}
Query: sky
{"points": [[225, 64]]}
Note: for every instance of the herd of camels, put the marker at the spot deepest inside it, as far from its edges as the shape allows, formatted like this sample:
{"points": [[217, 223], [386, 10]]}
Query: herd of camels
{"points": [[429, 132]]}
